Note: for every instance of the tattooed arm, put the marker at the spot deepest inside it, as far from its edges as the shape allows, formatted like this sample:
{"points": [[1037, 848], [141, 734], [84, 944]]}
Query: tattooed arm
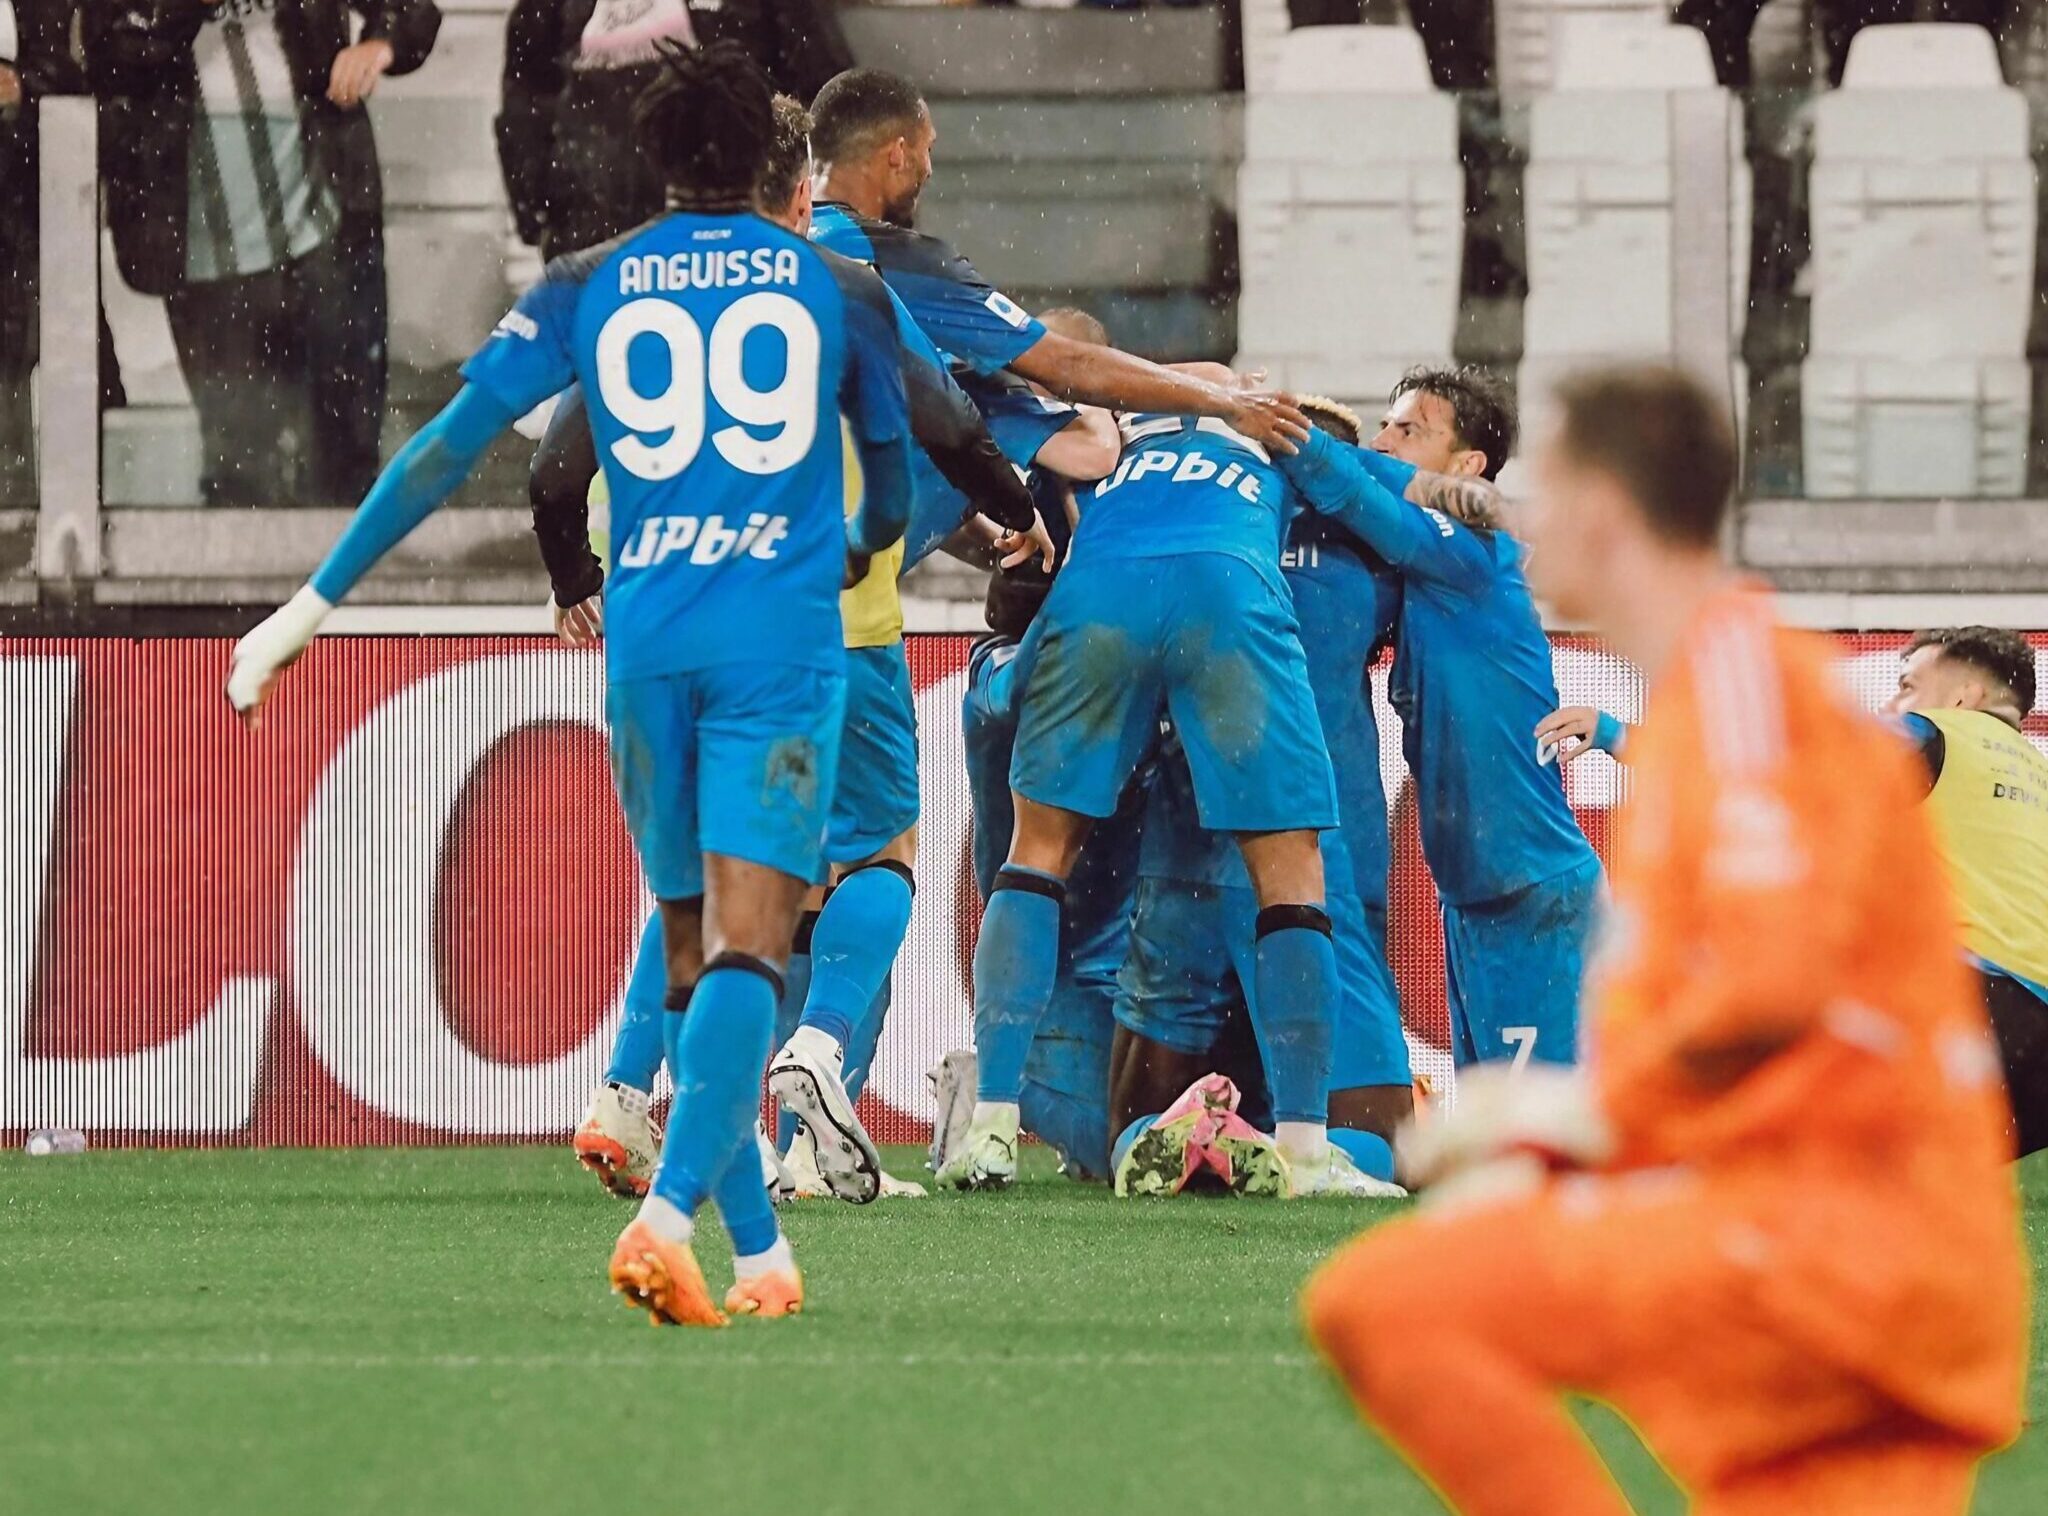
{"points": [[1426, 526]]}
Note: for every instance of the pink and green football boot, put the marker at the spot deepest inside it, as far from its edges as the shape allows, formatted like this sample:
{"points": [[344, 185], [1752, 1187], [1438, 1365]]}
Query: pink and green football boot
{"points": [[1201, 1133]]}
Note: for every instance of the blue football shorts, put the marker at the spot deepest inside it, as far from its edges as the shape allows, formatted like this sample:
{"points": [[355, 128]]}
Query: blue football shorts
{"points": [[737, 759], [1204, 637]]}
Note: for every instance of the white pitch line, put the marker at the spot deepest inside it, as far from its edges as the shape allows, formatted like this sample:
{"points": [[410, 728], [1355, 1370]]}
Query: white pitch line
{"points": [[553, 1361]]}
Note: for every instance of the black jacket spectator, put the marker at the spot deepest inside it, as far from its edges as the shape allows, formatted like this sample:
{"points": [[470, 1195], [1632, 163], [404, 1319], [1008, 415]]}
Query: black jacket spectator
{"points": [[565, 139], [42, 64], [138, 54]]}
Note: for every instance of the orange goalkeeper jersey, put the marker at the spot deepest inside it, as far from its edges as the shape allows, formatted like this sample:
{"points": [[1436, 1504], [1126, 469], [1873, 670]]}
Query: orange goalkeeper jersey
{"points": [[1774, 882]]}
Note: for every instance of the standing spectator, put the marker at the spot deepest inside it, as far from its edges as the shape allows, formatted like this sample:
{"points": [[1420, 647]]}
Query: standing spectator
{"points": [[35, 60], [573, 169], [1728, 23], [242, 186]]}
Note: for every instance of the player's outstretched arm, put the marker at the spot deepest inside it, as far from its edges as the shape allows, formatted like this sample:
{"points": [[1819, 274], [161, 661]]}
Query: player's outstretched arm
{"points": [[1088, 374], [423, 475], [1367, 495]]}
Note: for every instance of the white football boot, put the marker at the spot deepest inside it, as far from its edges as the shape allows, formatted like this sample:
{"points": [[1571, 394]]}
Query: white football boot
{"points": [[807, 1078], [617, 1140], [951, 1081]]}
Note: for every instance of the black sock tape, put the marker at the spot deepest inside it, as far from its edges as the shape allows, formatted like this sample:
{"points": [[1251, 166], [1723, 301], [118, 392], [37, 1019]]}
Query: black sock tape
{"points": [[747, 963], [1030, 883], [677, 996], [900, 870], [1280, 918]]}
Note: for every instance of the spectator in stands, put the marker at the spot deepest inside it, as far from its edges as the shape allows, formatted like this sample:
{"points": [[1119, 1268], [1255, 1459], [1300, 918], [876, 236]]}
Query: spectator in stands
{"points": [[242, 186], [1728, 23], [572, 168]]}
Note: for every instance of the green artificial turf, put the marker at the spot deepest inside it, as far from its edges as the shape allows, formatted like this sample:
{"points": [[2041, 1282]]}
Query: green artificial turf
{"points": [[429, 1331]]}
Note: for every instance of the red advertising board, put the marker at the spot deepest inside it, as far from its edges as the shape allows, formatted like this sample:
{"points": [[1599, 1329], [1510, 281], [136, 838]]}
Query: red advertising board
{"points": [[404, 910]]}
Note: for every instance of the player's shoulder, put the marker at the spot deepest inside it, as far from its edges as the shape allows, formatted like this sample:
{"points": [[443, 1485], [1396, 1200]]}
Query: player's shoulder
{"points": [[906, 250]]}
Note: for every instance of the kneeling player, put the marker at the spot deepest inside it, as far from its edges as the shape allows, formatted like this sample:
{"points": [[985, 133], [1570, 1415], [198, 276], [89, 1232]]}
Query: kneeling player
{"points": [[1784, 1244]]}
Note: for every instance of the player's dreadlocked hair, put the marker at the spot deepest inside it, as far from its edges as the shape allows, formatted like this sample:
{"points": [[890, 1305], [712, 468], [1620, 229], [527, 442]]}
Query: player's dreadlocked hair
{"points": [[1332, 416], [706, 121]]}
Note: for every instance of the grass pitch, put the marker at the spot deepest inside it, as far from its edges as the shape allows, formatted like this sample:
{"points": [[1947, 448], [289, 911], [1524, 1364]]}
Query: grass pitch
{"points": [[429, 1331]]}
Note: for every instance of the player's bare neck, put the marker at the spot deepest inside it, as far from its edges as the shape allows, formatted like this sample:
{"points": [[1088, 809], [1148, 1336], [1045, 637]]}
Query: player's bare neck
{"points": [[1656, 602], [842, 184]]}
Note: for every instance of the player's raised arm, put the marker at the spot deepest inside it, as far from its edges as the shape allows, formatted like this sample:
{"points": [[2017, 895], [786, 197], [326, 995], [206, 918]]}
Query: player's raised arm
{"points": [[1380, 501], [423, 475], [1088, 374]]}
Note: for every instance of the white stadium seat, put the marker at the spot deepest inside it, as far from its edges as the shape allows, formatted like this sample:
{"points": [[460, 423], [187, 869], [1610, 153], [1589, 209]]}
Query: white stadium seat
{"points": [[1532, 36], [1601, 194], [1923, 186], [1350, 211]]}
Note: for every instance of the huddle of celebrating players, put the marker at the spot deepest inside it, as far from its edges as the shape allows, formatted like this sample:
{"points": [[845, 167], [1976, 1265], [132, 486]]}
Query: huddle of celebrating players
{"points": [[795, 396]]}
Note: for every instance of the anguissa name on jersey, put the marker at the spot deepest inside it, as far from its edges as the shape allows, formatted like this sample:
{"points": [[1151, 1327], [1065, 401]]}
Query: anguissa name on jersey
{"points": [[661, 273]]}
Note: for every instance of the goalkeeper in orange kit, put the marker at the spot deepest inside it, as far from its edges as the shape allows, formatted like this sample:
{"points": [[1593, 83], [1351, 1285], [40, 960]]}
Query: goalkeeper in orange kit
{"points": [[1771, 1222]]}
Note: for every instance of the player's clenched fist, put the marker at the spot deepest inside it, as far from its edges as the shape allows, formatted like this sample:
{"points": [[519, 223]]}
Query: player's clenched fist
{"points": [[271, 647]]}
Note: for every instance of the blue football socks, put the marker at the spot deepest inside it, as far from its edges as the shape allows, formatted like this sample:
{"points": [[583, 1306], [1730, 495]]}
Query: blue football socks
{"points": [[1370, 1151], [717, 1050], [637, 1049], [853, 946], [1015, 964], [1296, 972]]}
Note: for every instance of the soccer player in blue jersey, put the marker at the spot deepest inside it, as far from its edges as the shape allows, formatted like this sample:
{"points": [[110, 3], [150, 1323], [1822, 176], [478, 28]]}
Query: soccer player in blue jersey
{"points": [[718, 352], [1518, 881], [873, 135], [874, 803], [1191, 968], [1171, 604]]}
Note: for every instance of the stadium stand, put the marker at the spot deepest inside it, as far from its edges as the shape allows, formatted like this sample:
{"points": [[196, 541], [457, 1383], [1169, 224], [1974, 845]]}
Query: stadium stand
{"points": [[1351, 164], [1921, 163], [1607, 172], [1534, 36], [1323, 222]]}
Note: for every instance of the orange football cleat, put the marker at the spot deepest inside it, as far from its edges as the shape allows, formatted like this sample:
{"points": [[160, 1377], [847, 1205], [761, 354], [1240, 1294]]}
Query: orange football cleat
{"points": [[662, 1278], [779, 1292]]}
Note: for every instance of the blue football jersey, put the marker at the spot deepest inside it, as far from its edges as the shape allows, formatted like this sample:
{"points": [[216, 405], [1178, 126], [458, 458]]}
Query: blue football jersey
{"points": [[966, 316], [717, 354], [1187, 485], [1472, 677]]}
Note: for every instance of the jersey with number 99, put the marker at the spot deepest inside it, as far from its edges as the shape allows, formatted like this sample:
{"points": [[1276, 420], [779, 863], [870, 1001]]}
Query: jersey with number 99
{"points": [[716, 354]]}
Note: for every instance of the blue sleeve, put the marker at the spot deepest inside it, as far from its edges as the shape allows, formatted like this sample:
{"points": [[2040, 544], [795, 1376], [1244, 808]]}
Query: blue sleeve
{"points": [[529, 355], [873, 400], [425, 473], [962, 312], [1928, 741], [1361, 491]]}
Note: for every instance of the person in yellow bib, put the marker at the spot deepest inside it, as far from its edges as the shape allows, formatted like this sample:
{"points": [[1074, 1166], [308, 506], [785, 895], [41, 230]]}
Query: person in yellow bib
{"points": [[1963, 695]]}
